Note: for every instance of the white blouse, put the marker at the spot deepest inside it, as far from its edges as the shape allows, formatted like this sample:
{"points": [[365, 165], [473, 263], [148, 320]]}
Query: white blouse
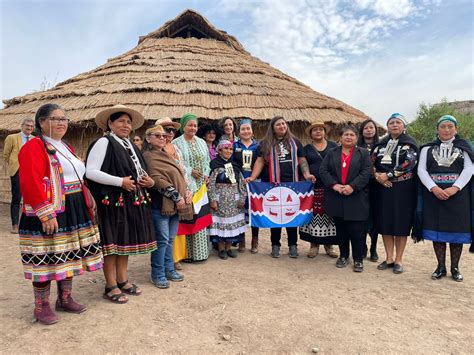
{"points": [[94, 164], [425, 177], [67, 159]]}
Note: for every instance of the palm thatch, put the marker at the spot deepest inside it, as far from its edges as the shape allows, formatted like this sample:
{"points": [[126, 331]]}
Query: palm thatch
{"points": [[187, 65]]}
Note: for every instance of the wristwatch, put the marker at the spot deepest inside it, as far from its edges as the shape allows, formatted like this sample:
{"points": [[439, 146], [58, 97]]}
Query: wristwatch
{"points": [[390, 175]]}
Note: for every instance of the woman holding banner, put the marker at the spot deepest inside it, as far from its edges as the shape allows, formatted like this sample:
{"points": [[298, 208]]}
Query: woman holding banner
{"points": [[245, 156], [345, 172], [281, 158], [196, 161]]}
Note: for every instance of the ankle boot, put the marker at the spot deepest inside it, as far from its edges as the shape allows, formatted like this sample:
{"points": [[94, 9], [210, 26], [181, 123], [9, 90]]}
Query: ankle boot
{"points": [[43, 312], [242, 245], [65, 302], [254, 249]]}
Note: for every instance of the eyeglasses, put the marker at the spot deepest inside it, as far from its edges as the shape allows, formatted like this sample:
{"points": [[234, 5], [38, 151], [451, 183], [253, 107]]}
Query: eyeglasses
{"points": [[59, 119], [137, 140], [158, 136], [170, 130]]}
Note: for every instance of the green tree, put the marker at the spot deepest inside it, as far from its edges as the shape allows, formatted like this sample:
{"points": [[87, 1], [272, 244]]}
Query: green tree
{"points": [[423, 129]]}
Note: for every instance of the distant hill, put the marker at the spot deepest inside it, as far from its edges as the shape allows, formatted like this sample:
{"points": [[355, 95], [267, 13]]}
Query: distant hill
{"points": [[464, 107]]}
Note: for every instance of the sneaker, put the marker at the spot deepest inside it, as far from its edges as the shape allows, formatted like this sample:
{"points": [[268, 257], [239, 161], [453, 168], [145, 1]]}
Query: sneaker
{"points": [[232, 253], [342, 262], [223, 254], [358, 266], [160, 282], [275, 251], [174, 276], [293, 251]]}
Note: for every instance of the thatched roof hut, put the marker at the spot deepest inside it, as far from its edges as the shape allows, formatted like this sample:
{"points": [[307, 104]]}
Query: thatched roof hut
{"points": [[187, 65]]}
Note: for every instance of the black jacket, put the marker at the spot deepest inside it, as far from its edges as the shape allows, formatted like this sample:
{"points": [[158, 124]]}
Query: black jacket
{"points": [[354, 207]]}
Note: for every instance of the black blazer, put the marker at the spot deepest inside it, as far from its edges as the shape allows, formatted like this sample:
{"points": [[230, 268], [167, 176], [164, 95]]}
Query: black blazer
{"points": [[354, 207]]}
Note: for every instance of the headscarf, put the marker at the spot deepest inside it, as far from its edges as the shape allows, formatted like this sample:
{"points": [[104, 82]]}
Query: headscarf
{"points": [[223, 144], [447, 118], [398, 116], [245, 121], [185, 119]]}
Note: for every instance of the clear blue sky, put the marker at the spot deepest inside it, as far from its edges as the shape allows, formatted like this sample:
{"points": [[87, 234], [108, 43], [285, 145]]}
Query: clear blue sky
{"points": [[380, 56]]}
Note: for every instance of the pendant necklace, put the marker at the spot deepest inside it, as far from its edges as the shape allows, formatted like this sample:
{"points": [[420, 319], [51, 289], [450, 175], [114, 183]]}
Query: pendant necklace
{"points": [[344, 164]]}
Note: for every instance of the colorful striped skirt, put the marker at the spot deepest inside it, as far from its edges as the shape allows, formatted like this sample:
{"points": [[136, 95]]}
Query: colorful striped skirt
{"points": [[70, 251]]}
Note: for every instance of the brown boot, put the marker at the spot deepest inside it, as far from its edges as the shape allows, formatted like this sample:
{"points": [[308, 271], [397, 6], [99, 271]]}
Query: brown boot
{"points": [[254, 249], [65, 302], [242, 245], [43, 312], [313, 251]]}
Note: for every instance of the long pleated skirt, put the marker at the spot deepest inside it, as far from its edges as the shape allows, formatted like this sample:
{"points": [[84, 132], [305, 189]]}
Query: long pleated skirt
{"points": [[75, 248]]}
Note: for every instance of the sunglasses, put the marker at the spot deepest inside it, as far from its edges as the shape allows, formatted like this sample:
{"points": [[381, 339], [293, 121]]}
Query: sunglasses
{"points": [[158, 136], [171, 130]]}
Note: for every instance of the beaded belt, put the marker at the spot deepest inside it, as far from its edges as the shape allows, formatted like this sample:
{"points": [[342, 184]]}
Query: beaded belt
{"points": [[406, 176], [446, 178], [72, 187]]}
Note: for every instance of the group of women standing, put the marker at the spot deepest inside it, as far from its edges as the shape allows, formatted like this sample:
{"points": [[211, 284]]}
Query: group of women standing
{"points": [[361, 185]]}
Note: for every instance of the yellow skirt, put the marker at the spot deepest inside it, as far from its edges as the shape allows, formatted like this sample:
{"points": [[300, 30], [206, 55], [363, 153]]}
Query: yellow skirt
{"points": [[179, 248]]}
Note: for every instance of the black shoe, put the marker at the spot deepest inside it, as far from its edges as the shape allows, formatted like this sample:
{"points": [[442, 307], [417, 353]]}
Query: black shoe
{"points": [[456, 275], [374, 256], [384, 265], [342, 262], [223, 254], [397, 268], [439, 273], [232, 253], [358, 266]]}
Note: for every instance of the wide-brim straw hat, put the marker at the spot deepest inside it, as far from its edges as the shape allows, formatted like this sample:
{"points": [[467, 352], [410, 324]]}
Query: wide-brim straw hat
{"points": [[102, 117], [166, 122], [317, 123]]}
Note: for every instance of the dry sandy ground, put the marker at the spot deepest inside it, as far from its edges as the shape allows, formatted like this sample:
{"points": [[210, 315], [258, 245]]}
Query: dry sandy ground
{"points": [[254, 304]]}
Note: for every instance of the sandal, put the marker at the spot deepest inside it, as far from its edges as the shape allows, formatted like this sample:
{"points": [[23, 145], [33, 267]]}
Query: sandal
{"points": [[129, 291], [115, 298]]}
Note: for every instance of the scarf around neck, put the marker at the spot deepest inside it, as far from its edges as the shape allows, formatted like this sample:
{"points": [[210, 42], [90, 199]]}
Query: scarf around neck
{"points": [[165, 172]]}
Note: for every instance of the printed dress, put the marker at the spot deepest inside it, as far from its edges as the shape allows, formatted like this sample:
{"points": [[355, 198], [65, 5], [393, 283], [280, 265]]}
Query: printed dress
{"points": [[227, 188], [195, 155], [321, 229]]}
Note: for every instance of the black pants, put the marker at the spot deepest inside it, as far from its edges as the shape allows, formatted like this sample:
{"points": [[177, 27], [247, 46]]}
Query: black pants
{"points": [[352, 232], [16, 198], [292, 232]]}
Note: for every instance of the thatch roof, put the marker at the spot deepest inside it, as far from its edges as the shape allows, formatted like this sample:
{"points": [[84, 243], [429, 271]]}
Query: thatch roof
{"points": [[187, 65]]}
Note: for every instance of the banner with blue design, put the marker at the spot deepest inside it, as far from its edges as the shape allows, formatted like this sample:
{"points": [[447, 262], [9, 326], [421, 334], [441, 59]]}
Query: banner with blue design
{"points": [[285, 204]]}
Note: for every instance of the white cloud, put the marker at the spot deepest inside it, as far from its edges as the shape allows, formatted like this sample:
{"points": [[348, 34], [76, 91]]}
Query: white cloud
{"points": [[354, 51]]}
